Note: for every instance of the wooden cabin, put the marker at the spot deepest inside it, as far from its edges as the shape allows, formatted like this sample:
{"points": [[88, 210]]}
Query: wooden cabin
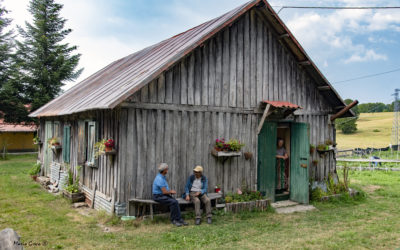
{"points": [[17, 137], [242, 75]]}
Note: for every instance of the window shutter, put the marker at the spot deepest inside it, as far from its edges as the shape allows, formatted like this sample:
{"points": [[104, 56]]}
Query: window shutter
{"points": [[66, 143]]}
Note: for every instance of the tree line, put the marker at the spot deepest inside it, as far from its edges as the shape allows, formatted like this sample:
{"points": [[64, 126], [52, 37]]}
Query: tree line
{"points": [[35, 62]]}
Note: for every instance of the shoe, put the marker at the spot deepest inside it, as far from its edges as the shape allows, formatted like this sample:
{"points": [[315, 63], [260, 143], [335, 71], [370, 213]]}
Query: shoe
{"points": [[198, 221], [183, 222], [209, 220], [176, 223]]}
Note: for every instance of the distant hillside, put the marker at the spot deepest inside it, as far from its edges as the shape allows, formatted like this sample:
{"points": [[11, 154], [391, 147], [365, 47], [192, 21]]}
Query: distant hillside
{"points": [[365, 135]]}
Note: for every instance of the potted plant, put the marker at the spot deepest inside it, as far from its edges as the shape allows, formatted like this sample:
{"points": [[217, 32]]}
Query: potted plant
{"points": [[312, 148], [219, 144], [217, 189], [34, 171], [248, 155], [36, 140], [234, 145], [315, 162], [71, 189], [54, 141], [109, 144], [245, 201]]}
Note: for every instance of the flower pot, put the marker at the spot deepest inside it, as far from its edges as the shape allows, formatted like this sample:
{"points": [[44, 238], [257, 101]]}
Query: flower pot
{"points": [[217, 190], [312, 150], [56, 144], [218, 149], [108, 149], [34, 177], [248, 155]]}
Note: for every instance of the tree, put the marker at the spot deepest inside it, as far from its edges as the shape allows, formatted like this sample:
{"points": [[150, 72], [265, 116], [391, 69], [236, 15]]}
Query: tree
{"points": [[348, 125], [46, 62]]}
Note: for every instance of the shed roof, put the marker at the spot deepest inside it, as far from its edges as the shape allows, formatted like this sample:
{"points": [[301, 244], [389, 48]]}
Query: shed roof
{"points": [[110, 86], [8, 127]]}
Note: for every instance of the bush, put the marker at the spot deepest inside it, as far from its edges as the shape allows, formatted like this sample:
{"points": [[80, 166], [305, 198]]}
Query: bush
{"points": [[35, 169], [376, 130], [244, 197], [347, 125]]}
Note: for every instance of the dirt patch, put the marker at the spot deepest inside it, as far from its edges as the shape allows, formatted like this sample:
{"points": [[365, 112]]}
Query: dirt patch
{"points": [[108, 229], [371, 188]]}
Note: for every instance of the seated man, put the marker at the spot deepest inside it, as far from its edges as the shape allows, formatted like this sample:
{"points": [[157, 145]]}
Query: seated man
{"points": [[196, 190], [162, 194]]}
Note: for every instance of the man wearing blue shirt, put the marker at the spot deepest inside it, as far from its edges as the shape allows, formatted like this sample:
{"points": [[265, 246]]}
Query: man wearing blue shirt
{"points": [[162, 194]]}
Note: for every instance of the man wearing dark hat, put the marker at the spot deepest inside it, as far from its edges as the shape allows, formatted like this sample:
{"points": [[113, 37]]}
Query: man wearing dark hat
{"points": [[162, 194], [196, 190]]}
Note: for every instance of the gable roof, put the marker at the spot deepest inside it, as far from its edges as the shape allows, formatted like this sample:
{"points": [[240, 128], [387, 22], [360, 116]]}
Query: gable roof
{"points": [[110, 86], [9, 127]]}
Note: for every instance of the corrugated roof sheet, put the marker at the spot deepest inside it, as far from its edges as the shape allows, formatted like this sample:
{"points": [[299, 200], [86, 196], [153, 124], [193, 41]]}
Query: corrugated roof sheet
{"points": [[279, 104], [8, 127], [113, 84]]}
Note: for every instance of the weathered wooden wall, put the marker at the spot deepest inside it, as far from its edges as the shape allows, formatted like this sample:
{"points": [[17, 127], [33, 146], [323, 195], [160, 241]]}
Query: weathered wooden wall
{"points": [[216, 92], [107, 171]]}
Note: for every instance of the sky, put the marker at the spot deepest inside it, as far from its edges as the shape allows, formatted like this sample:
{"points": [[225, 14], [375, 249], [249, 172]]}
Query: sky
{"points": [[344, 44]]}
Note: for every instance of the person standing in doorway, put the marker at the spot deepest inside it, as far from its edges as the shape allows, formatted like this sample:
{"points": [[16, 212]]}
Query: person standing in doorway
{"points": [[282, 168]]}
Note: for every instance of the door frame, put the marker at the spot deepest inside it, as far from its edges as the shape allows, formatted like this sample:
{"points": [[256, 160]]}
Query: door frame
{"points": [[266, 166]]}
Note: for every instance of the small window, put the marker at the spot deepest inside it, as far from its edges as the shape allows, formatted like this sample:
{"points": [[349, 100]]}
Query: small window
{"points": [[91, 140], [66, 143]]}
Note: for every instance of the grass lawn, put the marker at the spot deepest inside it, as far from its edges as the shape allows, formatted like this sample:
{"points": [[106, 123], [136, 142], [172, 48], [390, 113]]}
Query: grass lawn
{"points": [[372, 222], [365, 135]]}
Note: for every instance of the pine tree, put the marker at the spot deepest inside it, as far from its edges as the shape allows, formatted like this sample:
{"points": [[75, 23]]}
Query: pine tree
{"points": [[47, 63], [12, 107]]}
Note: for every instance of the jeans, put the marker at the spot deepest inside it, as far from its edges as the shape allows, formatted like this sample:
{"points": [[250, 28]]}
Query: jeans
{"points": [[172, 203]]}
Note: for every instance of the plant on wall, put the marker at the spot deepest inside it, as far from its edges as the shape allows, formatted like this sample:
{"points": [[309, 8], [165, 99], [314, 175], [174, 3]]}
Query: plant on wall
{"points": [[232, 145], [54, 141]]}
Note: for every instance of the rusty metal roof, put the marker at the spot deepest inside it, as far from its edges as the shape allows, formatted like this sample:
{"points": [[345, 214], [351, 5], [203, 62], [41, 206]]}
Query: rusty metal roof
{"points": [[8, 127], [113, 84], [279, 104]]}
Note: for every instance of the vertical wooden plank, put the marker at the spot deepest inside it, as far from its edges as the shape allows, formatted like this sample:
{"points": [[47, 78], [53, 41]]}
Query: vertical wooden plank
{"points": [[179, 177], [218, 71], [204, 78], [207, 139], [225, 68], [176, 85], [153, 91], [246, 67], [233, 66], [151, 152], [253, 59], [161, 88], [121, 153], [270, 66], [275, 70], [265, 82], [184, 143], [144, 92], [211, 72], [132, 153], [197, 77], [141, 152], [191, 76], [253, 172], [240, 70], [168, 86], [184, 83], [259, 63]]}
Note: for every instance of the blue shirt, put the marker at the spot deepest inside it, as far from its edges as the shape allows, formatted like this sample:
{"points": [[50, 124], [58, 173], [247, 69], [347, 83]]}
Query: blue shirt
{"points": [[159, 182]]}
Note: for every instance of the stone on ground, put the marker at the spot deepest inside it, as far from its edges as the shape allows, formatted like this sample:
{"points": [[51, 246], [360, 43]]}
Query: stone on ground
{"points": [[288, 206], [9, 240]]}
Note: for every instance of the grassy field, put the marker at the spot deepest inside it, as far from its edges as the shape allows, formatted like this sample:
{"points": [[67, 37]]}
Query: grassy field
{"points": [[365, 135], [40, 217]]}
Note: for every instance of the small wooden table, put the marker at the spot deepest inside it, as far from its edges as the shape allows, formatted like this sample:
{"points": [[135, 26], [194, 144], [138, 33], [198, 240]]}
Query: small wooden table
{"points": [[181, 201]]}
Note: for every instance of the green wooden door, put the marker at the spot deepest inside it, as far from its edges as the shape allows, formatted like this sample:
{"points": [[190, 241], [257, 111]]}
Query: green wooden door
{"points": [[48, 153], [266, 170], [299, 163]]}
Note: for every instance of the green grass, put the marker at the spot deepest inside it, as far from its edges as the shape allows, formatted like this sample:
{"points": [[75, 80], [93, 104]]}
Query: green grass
{"points": [[374, 130], [39, 216]]}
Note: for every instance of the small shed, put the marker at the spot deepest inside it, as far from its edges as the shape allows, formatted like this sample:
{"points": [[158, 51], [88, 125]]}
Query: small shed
{"points": [[17, 137], [242, 75]]}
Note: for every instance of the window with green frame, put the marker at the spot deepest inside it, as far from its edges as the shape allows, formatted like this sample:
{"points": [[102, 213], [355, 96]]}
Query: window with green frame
{"points": [[66, 143], [91, 140]]}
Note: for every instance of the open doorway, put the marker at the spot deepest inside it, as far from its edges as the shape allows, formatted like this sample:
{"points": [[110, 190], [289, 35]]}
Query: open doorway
{"points": [[282, 174]]}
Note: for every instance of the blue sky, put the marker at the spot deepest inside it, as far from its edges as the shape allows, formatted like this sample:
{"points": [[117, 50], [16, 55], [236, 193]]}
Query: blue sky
{"points": [[344, 44]]}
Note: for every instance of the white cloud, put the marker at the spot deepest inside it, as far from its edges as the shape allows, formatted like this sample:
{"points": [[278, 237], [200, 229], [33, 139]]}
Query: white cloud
{"points": [[369, 55]]}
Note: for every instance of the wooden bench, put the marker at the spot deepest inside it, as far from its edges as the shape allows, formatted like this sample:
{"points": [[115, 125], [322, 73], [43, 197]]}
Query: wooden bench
{"points": [[181, 201]]}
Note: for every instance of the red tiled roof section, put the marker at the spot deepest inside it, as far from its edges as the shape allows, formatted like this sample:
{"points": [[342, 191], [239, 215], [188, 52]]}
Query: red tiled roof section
{"points": [[279, 104], [8, 127]]}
